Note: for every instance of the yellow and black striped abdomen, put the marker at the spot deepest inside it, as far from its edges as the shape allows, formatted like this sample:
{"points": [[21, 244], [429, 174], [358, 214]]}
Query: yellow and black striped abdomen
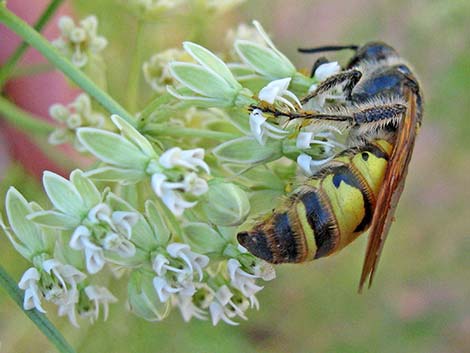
{"points": [[326, 213]]}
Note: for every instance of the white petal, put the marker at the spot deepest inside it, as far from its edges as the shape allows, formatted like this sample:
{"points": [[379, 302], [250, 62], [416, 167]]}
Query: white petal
{"points": [[124, 221], [326, 70], [94, 260], [157, 183], [256, 121], [303, 160], [100, 212], [273, 89], [159, 263], [303, 140], [30, 276]]}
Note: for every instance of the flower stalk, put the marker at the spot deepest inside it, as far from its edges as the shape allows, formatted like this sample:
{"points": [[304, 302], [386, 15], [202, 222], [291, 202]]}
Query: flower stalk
{"points": [[50, 53]]}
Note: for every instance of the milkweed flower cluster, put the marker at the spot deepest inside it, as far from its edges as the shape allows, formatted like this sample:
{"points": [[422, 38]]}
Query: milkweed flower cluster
{"points": [[77, 114], [81, 43], [172, 188]]}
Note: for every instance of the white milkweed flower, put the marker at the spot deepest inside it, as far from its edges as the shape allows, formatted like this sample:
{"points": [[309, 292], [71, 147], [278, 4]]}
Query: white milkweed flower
{"points": [[173, 179], [67, 306], [157, 69], [241, 280], [79, 42], [275, 92], [190, 159], [32, 296], [67, 275], [97, 296], [55, 282], [195, 262], [77, 114], [261, 129], [165, 289], [224, 308], [94, 256], [187, 307], [175, 272], [104, 230], [168, 192]]}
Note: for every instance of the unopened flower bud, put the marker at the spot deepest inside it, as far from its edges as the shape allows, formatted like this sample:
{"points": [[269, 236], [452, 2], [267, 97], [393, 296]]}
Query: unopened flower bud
{"points": [[226, 204]]}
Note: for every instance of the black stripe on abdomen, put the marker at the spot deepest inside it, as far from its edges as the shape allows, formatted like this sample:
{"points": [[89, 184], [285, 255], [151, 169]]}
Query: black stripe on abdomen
{"points": [[284, 238], [322, 221]]}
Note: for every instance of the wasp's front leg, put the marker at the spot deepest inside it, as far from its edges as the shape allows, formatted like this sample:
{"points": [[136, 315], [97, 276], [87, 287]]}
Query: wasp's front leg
{"points": [[345, 80]]}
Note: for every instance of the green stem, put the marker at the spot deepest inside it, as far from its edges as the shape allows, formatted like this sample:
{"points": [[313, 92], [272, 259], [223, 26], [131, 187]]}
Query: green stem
{"points": [[23, 120], [165, 130], [39, 319], [134, 72], [152, 106], [45, 48], [7, 68]]}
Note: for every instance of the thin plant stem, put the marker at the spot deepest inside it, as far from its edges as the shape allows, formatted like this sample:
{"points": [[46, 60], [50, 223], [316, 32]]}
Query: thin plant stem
{"points": [[134, 72], [152, 106], [63, 64], [39, 319], [22, 119], [7, 68], [165, 130]]}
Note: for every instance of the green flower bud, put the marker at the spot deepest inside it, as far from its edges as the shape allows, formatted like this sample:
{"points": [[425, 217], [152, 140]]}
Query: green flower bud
{"points": [[226, 204], [143, 299], [203, 238]]}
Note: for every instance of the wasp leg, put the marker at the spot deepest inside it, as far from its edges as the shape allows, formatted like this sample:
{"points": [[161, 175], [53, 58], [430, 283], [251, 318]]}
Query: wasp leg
{"points": [[383, 114], [346, 79], [367, 116]]}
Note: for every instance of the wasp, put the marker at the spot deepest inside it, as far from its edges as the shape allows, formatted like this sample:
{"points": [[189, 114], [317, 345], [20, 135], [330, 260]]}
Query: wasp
{"points": [[381, 107]]}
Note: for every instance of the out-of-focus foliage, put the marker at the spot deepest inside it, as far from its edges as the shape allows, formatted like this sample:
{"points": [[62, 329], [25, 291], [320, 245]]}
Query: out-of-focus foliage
{"points": [[419, 302]]}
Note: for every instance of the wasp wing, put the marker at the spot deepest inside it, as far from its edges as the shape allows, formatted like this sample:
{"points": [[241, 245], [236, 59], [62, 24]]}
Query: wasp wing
{"points": [[394, 181]]}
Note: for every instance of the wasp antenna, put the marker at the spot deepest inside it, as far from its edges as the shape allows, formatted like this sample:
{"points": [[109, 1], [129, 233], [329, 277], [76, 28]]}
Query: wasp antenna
{"points": [[327, 48]]}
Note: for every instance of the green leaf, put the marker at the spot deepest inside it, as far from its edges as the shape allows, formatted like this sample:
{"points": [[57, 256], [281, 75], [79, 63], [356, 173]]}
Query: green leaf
{"points": [[23, 250], [112, 148], [211, 62], [54, 219], [28, 233], [203, 239], [246, 150], [123, 176], [160, 230], [264, 60], [90, 194], [63, 195], [135, 136], [202, 81]]}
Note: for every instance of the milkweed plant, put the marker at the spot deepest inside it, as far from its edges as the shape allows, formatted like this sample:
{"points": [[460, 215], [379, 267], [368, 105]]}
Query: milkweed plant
{"points": [[173, 182]]}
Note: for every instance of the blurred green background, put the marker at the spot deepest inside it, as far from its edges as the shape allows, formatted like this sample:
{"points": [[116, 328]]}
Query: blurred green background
{"points": [[420, 301]]}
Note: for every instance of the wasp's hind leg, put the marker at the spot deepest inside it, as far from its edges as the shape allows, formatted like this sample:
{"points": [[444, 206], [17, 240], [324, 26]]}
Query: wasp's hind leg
{"points": [[345, 80]]}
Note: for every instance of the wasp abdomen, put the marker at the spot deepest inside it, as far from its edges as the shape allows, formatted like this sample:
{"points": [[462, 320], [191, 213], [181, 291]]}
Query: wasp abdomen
{"points": [[327, 213]]}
